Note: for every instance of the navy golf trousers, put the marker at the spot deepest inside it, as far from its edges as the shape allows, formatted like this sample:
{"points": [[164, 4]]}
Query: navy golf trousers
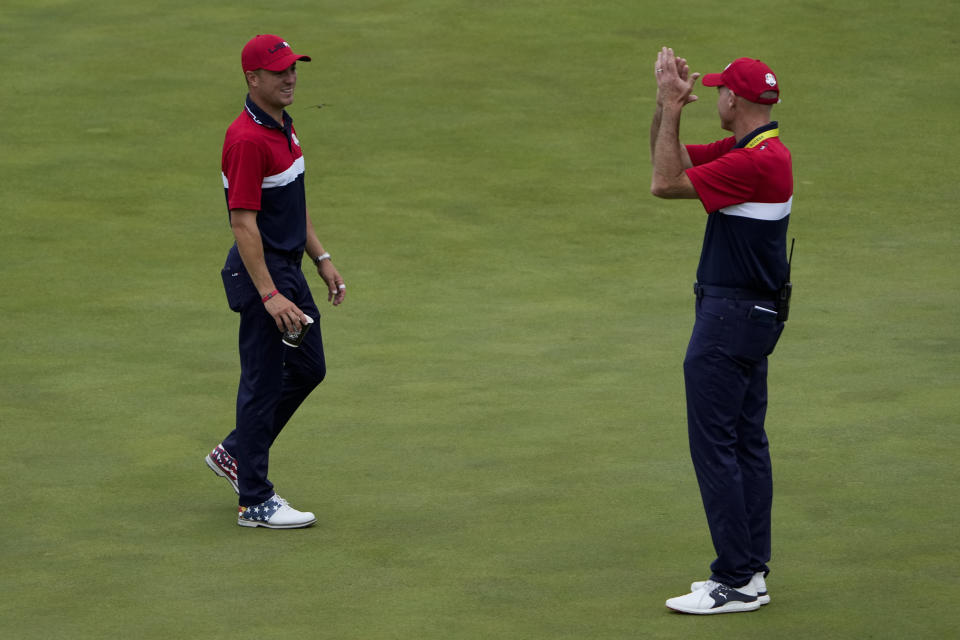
{"points": [[274, 378], [725, 374]]}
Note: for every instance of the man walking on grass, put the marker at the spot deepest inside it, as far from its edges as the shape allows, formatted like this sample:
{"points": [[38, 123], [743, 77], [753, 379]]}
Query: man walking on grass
{"points": [[263, 174]]}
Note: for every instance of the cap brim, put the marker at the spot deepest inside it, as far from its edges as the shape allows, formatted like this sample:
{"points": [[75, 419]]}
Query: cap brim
{"points": [[285, 62], [712, 80]]}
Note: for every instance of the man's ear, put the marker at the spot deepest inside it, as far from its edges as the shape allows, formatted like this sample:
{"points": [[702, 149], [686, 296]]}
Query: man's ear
{"points": [[732, 99]]}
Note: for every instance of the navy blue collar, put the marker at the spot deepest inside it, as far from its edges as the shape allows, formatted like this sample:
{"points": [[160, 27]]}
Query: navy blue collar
{"points": [[743, 141], [264, 119]]}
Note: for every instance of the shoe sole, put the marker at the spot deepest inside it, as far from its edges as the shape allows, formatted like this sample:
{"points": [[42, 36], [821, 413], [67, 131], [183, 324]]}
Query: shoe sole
{"points": [[730, 607], [223, 474], [253, 523], [762, 598]]}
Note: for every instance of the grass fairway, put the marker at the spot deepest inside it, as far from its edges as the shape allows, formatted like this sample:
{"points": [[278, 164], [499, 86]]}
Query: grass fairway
{"points": [[499, 450]]}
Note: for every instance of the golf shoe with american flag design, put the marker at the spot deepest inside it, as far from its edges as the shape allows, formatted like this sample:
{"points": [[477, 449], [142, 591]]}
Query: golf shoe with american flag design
{"points": [[275, 513], [224, 465]]}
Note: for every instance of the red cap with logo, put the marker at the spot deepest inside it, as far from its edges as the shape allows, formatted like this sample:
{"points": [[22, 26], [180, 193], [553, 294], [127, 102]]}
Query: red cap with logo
{"points": [[268, 52], [747, 78]]}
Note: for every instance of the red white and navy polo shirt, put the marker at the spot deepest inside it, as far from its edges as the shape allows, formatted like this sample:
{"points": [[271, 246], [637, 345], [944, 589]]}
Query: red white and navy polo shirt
{"points": [[747, 188], [262, 167]]}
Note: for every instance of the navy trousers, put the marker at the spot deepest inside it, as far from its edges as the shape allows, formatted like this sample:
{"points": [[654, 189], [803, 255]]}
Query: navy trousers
{"points": [[274, 378], [725, 374]]}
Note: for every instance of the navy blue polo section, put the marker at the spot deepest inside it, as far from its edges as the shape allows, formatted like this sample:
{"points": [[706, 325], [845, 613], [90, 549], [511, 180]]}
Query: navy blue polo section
{"points": [[263, 171], [744, 253]]}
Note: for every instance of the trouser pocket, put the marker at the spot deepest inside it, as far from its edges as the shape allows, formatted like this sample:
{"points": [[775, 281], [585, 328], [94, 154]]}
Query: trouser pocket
{"points": [[753, 338], [238, 287]]}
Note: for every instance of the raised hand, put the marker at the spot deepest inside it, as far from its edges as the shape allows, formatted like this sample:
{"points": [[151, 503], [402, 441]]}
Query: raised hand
{"points": [[674, 81]]}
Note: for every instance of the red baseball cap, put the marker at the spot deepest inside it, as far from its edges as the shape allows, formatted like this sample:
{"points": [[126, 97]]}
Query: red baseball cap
{"points": [[747, 78], [268, 52]]}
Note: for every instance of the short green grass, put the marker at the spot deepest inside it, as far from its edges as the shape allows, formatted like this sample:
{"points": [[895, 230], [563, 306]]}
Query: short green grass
{"points": [[499, 450]]}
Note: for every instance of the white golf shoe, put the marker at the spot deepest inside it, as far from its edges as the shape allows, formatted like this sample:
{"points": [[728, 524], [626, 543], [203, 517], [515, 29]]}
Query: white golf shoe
{"points": [[714, 597], [757, 581]]}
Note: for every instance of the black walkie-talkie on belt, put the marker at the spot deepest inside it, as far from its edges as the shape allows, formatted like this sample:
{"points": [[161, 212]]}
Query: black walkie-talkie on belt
{"points": [[783, 296]]}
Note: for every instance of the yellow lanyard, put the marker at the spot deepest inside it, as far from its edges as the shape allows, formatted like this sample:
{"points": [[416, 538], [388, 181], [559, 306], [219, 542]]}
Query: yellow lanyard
{"points": [[772, 133]]}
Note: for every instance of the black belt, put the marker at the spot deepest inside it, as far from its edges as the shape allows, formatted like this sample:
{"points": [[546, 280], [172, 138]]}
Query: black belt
{"points": [[701, 290], [292, 256]]}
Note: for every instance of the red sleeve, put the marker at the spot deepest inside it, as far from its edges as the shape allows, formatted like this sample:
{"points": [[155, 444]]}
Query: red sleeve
{"points": [[244, 166], [730, 179], [703, 153]]}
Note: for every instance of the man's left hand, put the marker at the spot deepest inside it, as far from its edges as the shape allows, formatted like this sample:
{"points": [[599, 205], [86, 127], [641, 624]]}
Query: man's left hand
{"points": [[336, 289]]}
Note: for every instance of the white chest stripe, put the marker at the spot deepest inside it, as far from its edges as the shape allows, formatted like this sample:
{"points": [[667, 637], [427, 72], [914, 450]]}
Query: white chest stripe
{"points": [[279, 180], [770, 211], [285, 178]]}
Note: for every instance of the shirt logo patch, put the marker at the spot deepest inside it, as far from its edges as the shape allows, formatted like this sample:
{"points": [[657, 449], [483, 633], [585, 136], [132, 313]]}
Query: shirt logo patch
{"points": [[294, 137]]}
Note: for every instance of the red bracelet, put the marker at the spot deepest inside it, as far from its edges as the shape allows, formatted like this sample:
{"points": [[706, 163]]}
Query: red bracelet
{"points": [[269, 295]]}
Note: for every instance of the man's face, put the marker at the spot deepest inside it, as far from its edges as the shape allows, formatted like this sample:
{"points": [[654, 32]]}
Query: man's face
{"points": [[274, 88]]}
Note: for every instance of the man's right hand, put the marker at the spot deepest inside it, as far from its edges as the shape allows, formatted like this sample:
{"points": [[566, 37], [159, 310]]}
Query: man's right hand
{"points": [[683, 70], [674, 81], [286, 314]]}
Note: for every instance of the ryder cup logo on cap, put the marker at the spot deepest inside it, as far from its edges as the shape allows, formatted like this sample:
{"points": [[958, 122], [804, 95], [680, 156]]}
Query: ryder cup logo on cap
{"points": [[268, 52], [749, 79]]}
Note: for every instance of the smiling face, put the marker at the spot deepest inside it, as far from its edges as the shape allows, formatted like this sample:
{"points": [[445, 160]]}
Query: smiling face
{"points": [[272, 90]]}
